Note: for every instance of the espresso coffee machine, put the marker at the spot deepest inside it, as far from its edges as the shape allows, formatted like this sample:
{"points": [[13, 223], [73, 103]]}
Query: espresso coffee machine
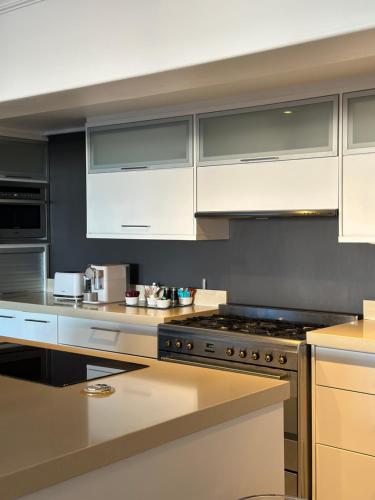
{"points": [[109, 282]]}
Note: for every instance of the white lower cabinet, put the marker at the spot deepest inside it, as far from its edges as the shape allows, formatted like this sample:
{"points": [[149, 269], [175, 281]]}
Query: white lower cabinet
{"points": [[139, 340], [39, 327], [29, 326], [358, 200], [343, 425], [9, 323], [344, 475], [304, 184]]}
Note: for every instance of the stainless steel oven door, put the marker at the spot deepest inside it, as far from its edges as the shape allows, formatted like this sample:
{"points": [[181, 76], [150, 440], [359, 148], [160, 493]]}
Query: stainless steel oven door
{"points": [[290, 406]]}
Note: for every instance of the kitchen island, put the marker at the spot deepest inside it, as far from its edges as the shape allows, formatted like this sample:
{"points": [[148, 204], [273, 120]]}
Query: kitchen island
{"points": [[169, 431]]}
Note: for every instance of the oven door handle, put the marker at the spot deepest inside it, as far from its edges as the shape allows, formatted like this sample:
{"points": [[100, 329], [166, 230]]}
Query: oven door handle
{"points": [[21, 201], [216, 367]]}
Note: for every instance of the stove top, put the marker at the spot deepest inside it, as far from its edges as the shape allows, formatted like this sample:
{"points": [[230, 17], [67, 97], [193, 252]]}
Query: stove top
{"points": [[249, 326]]}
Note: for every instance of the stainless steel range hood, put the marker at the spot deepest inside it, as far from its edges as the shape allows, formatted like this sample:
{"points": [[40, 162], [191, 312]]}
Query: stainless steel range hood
{"points": [[269, 214]]}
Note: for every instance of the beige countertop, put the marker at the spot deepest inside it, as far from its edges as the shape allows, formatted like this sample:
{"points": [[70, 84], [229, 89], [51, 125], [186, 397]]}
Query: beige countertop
{"points": [[43, 302], [356, 336], [49, 434]]}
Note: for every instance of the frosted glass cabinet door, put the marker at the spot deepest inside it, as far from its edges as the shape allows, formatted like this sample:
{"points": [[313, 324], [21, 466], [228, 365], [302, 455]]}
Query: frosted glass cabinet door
{"points": [[279, 131], [153, 144], [359, 122], [23, 158]]}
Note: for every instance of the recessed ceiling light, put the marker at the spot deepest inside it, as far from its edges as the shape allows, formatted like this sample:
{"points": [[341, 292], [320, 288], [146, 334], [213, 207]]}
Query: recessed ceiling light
{"points": [[287, 112]]}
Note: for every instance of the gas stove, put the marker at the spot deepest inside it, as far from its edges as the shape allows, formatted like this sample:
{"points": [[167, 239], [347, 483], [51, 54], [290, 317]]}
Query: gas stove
{"points": [[249, 326], [260, 341]]}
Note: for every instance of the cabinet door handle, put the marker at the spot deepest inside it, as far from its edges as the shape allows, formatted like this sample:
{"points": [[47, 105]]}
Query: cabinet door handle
{"points": [[133, 168], [96, 328], [133, 225], [9, 176], [36, 320], [260, 158], [7, 317]]}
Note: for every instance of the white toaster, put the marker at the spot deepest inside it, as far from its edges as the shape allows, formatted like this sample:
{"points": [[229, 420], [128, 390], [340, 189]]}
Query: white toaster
{"points": [[68, 285]]}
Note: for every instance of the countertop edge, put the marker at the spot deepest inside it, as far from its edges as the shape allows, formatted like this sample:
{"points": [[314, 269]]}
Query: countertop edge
{"points": [[43, 475], [344, 343], [356, 336], [116, 317]]}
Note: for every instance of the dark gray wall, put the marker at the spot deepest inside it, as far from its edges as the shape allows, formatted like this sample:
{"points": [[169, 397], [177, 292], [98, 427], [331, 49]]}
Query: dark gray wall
{"points": [[290, 262]]}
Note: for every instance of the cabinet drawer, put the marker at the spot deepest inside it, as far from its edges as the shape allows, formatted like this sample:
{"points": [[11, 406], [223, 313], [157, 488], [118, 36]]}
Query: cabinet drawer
{"points": [[109, 336], [38, 327], [345, 419], [343, 475], [353, 371], [9, 323]]}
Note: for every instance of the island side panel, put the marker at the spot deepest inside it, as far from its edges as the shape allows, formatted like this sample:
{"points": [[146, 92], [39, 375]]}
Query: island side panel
{"points": [[244, 456]]}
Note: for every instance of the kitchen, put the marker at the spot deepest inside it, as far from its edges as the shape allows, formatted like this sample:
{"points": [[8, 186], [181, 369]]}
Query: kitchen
{"points": [[248, 208]]}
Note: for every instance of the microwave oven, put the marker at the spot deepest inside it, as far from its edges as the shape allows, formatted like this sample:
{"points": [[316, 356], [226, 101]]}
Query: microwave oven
{"points": [[23, 211]]}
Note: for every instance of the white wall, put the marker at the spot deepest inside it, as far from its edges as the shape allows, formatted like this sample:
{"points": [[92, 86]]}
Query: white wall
{"points": [[60, 44]]}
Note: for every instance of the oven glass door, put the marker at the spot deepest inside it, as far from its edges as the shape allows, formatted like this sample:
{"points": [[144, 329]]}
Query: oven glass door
{"points": [[19, 220]]}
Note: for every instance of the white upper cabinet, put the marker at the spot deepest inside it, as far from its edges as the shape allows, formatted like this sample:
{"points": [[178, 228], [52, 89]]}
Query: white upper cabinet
{"points": [[359, 122], [147, 204], [357, 205], [298, 129], [163, 143]]}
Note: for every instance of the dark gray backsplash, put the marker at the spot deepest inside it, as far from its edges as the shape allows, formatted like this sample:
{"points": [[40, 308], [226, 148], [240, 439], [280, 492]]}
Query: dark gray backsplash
{"points": [[286, 262]]}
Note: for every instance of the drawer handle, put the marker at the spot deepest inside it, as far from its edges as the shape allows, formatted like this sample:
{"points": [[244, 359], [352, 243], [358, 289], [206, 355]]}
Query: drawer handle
{"points": [[133, 225], [37, 320], [95, 328], [260, 158], [7, 317]]}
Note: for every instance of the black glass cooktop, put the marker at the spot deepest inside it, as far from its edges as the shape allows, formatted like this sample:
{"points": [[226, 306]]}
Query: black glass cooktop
{"points": [[58, 368]]}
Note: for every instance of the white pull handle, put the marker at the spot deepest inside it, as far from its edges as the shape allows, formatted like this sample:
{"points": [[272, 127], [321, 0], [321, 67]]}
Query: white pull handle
{"points": [[106, 336]]}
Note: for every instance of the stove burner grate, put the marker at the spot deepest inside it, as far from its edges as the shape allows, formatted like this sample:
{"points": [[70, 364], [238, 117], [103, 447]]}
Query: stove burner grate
{"points": [[249, 326]]}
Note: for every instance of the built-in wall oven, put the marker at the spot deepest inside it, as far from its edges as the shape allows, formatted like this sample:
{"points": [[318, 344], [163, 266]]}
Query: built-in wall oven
{"points": [[23, 212]]}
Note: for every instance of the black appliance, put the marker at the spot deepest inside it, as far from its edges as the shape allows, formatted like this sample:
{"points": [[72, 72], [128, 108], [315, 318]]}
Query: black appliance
{"points": [[57, 368], [260, 341], [23, 211]]}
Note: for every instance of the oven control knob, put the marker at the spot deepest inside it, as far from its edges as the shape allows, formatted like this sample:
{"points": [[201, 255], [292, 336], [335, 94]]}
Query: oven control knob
{"points": [[242, 353], [168, 343], [178, 344], [255, 356], [229, 351], [268, 357], [282, 359], [189, 346]]}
